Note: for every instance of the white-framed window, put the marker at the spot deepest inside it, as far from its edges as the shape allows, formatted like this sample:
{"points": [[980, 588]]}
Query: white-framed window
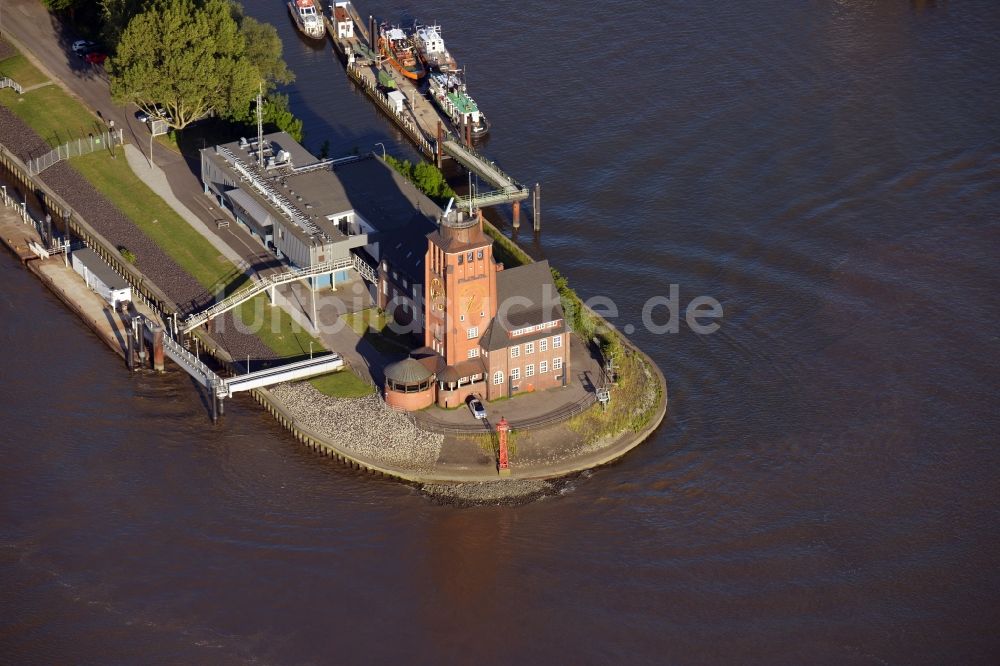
{"points": [[529, 348], [474, 352], [543, 367], [473, 332], [543, 344], [515, 374], [529, 370], [498, 377], [461, 317], [515, 351], [556, 341], [557, 363]]}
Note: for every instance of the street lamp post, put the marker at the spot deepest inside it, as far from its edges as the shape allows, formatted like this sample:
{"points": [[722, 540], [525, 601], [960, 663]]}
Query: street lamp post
{"points": [[383, 149]]}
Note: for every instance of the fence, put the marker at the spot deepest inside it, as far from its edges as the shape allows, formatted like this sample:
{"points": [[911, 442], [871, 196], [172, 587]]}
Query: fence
{"points": [[108, 139], [143, 290], [404, 123], [7, 82]]}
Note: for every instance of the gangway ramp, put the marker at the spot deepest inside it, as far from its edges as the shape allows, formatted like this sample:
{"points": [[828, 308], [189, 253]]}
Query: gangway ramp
{"points": [[508, 189], [225, 388], [290, 372]]}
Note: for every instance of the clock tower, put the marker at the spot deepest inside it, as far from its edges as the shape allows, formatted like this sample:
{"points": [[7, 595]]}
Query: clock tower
{"points": [[460, 287]]}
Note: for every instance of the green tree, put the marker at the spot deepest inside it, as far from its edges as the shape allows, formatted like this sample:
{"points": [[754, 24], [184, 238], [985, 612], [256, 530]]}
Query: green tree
{"points": [[116, 15], [264, 51], [190, 57], [63, 5], [276, 115]]}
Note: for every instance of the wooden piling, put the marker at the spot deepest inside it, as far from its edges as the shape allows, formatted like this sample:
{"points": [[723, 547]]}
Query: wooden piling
{"points": [[536, 207]]}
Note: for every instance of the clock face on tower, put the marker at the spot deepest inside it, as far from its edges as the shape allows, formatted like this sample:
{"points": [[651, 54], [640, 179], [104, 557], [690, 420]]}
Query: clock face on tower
{"points": [[436, 295], [471, 299]]}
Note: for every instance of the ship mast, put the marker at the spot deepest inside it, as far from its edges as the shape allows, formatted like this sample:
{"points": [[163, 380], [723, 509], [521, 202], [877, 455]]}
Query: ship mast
{"points": [[260, 126]]}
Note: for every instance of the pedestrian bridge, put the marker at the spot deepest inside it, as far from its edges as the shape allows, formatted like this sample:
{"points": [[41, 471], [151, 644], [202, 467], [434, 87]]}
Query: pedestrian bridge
{"points": [[221, 388], [269, 282], [508, 189], [284, 373]]}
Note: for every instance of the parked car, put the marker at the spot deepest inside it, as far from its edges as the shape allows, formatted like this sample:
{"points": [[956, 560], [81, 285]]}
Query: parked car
{"points": [[95, 58], [476, 407], [160, 112], [82, 47], [141, 116]]}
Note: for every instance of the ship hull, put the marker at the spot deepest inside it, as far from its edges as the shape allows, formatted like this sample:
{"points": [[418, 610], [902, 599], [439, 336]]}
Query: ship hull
{"points": [[416, 73], [316, 31], [439, 94]]}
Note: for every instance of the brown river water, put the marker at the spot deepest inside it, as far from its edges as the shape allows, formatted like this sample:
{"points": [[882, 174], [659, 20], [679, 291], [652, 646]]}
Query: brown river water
{"points": [[824, 489]]}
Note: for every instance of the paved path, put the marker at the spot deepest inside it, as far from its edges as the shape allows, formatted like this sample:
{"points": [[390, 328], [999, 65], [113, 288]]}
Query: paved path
{"points": [[47, 44], [527, 409], [156, 180]]}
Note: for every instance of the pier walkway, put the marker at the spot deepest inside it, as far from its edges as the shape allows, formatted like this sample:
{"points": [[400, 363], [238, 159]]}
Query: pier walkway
{"points": [[423, 122], [508, 190], [225, 387]]}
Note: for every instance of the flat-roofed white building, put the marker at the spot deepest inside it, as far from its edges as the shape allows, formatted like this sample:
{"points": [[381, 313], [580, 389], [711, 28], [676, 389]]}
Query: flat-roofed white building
{"points": [[101, 278]]}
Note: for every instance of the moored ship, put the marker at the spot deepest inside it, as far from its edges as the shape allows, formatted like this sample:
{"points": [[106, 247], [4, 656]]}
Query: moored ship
{"points": [[431, 49], [348, 34], [308, 18], [396, 46], [448, 92]]}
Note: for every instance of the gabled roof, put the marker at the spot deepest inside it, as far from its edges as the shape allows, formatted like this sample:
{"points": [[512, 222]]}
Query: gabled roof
{"points": [[526, 296], [452, 373]]}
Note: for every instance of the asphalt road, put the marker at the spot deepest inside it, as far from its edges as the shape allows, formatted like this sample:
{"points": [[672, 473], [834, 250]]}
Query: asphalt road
{"points": [[47, 42]]}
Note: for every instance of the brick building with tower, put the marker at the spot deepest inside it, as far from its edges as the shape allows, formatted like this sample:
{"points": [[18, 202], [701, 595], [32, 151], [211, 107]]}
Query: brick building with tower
{"points": [[488, 331]]}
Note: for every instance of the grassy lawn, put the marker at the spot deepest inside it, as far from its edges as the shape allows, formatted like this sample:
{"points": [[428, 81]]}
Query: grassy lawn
{"points": [[372, 325], [18, 67], [58, 118], [54, 115], [343, 384], [116, 180], [634, 398], [287, 339]]}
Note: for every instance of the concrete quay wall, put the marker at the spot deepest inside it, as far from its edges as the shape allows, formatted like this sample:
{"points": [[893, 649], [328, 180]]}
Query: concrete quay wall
{"points": [[156, 301]]}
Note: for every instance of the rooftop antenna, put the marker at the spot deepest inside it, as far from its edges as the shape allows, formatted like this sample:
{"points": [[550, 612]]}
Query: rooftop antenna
{"points": [[447, 208], [471, 195], [260, 126]]}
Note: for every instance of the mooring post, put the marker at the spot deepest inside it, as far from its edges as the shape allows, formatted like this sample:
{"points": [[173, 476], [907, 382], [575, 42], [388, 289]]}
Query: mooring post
{"points": [[158, 363], [517, 214], [215, 404], [130, 346], [536, 207]]}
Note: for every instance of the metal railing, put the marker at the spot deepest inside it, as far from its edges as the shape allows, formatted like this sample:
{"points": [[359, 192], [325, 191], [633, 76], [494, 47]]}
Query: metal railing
{"points": [[93, 143], [7, 82], [268, 282], [492, 198]]}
